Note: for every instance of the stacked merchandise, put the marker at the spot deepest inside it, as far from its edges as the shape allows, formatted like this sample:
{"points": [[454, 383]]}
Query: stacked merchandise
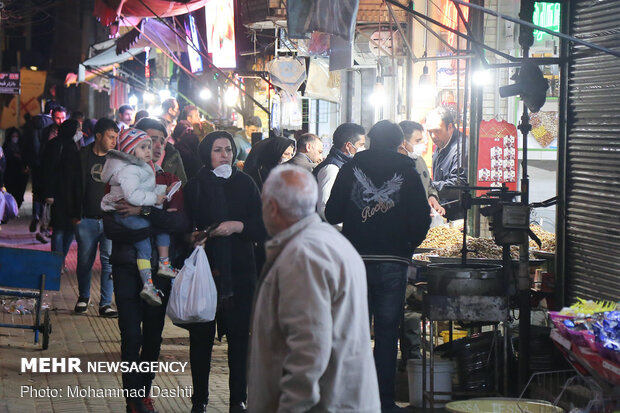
{"points": [[591, 330]]}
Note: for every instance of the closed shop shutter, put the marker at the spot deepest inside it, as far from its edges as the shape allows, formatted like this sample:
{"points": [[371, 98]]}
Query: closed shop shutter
{"points": [[592, 236]]}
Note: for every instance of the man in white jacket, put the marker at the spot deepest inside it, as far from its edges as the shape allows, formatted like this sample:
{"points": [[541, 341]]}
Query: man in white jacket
{"points": [[310, 347]]}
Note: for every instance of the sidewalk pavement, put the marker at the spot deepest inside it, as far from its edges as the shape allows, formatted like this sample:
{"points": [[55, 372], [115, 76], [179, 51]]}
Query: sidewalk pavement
{"points": [[90, 338], [93, 338]]}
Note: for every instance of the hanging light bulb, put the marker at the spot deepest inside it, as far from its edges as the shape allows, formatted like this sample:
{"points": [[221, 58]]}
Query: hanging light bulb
{"points": [[133, 100], [231, 95], [378, 96], [425, 78], [205, 94], [164, 94], [148, 97]]}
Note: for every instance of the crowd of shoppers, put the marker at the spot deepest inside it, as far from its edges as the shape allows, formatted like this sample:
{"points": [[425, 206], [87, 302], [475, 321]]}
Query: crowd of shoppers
{"points": [[310, 347]]}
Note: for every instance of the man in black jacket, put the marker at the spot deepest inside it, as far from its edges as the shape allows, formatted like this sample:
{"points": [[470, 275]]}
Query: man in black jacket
{"points": [[141, 325], [448, 169], [84, 208], [348, 139], [380, 199]]}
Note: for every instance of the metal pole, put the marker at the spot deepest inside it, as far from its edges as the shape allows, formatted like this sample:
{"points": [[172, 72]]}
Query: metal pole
{"points": [[535, 27], [18, 97], [409, 49], [451, 30]]}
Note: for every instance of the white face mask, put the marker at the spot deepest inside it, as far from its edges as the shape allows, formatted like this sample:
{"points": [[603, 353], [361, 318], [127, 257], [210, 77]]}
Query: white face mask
{"points": [[78, 136], [412, 155], [419, 149], [223, 171], [360, 149]]}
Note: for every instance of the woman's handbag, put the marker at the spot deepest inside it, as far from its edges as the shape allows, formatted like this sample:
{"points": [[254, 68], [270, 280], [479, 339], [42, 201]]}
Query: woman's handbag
{"points": [[193, 298]]}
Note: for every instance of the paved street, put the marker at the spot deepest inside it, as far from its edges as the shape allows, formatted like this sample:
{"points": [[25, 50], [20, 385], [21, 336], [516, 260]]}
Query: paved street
{"points": [[91, 338]]}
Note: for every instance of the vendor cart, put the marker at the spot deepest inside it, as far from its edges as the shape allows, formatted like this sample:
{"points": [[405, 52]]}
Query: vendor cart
{"points": [[28, 273]]}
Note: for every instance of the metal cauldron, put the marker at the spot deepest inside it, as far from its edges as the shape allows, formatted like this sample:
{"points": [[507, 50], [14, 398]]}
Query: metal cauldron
{"points": [[468, 279]]}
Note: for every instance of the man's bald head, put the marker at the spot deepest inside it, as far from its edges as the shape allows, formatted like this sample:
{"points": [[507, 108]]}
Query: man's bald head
{"points": [[295, 193]]}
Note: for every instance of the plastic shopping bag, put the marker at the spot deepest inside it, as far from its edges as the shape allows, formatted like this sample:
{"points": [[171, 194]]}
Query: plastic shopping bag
{"points": [[193, 298], [11, 209], [436, 219]]}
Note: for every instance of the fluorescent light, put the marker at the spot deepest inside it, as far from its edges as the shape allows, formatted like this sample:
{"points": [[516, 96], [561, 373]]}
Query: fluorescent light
{"points": [[133, 100]]}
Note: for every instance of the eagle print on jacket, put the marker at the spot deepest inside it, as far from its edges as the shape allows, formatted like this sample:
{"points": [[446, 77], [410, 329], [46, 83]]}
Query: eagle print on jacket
{"points": [[371, 199]]}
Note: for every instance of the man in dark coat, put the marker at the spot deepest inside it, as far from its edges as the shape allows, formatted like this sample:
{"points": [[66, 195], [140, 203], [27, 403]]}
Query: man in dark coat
{"points": [[348, 139], [309, 152], [449, 170]]}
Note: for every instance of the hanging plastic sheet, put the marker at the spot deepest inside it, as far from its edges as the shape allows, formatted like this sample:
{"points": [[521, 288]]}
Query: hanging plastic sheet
{"points": [[291, 107], [328, 16], [287, 72], [322, 84]]}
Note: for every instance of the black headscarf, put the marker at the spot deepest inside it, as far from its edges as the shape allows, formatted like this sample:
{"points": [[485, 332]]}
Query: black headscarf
{"points": [[211, 188], [204, 149], [67, 130], [265, 156]]}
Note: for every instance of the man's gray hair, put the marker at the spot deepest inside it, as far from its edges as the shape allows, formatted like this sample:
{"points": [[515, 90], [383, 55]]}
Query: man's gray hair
{"points": [[294, 189]]}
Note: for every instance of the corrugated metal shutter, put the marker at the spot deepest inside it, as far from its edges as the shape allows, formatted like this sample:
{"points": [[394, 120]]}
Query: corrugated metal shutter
{"points": [[593, 155]]}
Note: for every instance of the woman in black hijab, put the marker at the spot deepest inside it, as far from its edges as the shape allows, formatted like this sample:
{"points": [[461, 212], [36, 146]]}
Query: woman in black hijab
{"points": [[266, 155], [59, 161], [16, 174], [223, 196], [186, 142]]}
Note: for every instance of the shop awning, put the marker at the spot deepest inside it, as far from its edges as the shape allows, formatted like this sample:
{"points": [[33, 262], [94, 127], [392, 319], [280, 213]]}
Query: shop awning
{"points": [[134, 42], [109, 57], [150, 33], [108, 11]]}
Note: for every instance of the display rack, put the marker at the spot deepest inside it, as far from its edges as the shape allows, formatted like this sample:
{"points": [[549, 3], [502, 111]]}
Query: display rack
{"points": [[604, 372], [490, 309]]}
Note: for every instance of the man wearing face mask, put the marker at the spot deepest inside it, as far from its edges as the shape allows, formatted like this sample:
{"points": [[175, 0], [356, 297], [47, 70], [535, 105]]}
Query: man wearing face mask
{"points": [[414, 146], [348, 139], [58, 152]]}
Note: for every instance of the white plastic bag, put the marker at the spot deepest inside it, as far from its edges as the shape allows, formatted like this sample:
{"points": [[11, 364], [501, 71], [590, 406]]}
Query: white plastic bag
{"points": [[193, 298], [11, 209], [436, 219]]}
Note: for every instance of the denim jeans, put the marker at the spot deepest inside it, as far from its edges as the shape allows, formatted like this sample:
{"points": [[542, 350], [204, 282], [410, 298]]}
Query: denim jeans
{"points": [[61, 241], [143, 247], [387, 283], [89, 234]]}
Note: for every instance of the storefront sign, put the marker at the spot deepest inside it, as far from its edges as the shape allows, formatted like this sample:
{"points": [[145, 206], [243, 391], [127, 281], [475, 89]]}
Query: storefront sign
{"points": [[220, 18], [497, 155], [546, 15], [9, 84]]}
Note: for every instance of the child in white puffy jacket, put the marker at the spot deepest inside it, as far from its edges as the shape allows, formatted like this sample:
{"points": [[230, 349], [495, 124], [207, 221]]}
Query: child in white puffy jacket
{"points": [[131, 176]]}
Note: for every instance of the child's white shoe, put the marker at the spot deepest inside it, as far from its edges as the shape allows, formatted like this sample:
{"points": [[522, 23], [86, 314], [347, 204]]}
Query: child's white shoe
{"points": [[150, 294], [165, 270]]}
